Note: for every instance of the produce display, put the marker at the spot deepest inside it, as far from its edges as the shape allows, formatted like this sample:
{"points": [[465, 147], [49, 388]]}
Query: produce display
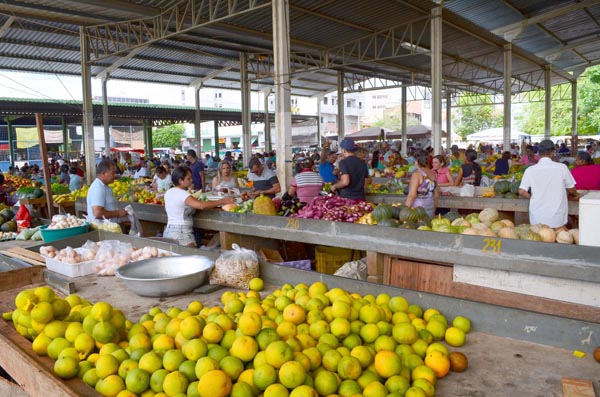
{"points": [[7, 219], [65, 222], [298, 341], [334, 208]]}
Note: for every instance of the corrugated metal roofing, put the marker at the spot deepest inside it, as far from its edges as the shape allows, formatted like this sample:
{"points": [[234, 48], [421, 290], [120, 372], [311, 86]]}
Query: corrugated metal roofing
{"points": [[43, 36]]}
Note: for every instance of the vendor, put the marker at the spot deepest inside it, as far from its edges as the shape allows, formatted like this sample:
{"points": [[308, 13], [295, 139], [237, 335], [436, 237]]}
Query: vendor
{"points": [[503, 164], [353, 173], [180, 205], [5, 190], [586, 173], [442, 173], [162, 180], [327, 164], [307, 184], [547, 185], [197, 169], [470, 171], [264, 180], [101, 202], [224, 178]]}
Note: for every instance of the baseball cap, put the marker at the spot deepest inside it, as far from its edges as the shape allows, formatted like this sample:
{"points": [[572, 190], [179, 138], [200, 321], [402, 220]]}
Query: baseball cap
{"points": [[348, 144]]}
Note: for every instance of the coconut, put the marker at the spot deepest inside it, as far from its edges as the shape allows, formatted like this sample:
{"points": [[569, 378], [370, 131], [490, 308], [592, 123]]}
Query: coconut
{"points": [[507, 232], [575, 234], [497, 226], [480, 226], [508, 223], [564, 237], [487, 232], [536, 228]]}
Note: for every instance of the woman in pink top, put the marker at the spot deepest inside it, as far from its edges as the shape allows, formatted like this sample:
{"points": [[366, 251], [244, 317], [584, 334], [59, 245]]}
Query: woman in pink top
{"points": [[530, 158], [444, 176], [586, 173], [307, 184]]}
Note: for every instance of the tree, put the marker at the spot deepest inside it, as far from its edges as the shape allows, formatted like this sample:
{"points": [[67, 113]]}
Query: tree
{"points": [[392, 119], [469, 119], [169, 136]]}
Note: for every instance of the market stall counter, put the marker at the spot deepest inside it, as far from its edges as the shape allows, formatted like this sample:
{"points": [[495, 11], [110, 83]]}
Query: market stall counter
{"points": [[509, 350]]}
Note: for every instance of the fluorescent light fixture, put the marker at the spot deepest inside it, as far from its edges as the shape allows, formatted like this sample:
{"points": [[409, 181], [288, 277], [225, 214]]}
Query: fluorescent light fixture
{"points": [[413, 48]]}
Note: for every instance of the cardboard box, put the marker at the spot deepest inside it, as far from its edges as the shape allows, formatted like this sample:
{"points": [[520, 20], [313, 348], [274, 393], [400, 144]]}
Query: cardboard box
{"points": [[269, 255]]}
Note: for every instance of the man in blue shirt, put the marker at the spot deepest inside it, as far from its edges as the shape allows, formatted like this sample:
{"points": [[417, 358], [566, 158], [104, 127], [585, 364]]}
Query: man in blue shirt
{"points": [[101, 202], [326, 164], [197, 168]]}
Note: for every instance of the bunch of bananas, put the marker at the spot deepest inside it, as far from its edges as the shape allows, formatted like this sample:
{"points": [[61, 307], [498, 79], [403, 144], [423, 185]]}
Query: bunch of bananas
{"points": [[63, 198]]}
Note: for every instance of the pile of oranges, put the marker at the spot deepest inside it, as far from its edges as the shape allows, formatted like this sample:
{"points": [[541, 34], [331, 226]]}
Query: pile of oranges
{"points": [[299, 341]]}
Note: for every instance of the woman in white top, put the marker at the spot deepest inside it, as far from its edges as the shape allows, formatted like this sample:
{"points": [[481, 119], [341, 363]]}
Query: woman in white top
{"points": [[180, 205], [224, 178], [162, 180], [142, 171]]}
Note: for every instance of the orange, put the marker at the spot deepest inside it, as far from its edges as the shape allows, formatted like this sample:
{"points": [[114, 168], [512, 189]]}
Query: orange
{"points": [[214, 383], [250, 323], [317, 288], [349, 368], [375, 389], [212, 333], [462, 323], [455, 337], [405, 333], [277, 353], [439, 362], [304, 391], [423, 371], [387, 363], [397, 384], [264, 376], [276, 390], [292, 374], [244, 348], [294, 313], [424, 385], [326, 383], [398, 304]]}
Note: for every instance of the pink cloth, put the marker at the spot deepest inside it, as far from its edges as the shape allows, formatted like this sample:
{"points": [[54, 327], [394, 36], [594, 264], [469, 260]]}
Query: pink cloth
{"points": [[525, 160], [442, 175], [587, 177]]}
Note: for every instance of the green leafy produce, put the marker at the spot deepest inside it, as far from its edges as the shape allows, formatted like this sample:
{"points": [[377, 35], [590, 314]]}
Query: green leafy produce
{"points": [[58, 188]]}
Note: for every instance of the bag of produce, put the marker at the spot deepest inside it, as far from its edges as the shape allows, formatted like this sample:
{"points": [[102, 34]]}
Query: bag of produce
{"points": [[235, 268], [23, 218], [26, 234], [111, 255]]}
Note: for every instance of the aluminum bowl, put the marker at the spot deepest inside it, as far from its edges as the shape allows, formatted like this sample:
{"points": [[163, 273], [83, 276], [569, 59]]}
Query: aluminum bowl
{"points": [[166, 276]]}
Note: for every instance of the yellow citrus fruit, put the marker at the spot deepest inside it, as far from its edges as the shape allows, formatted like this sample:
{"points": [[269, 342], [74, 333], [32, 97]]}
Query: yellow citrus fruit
{"points": [[194, 307], [257, 284], [172, 359], [42, 312], [430, 312], [106, 365], [212, 333], [232, 366], [234, 306], [462, 323], [405, 333], [204, 365], [191, 327], [66, 367], [194, 349], [439, 362], [294, 313], [349, 368], [214, 383], [277, 353], [137, 380], [375, 389], [110, 386], [317, 288], [397, 384], [241, 389], [249, 323], [292, 374], [40, 344], [304, 391], [349, 387], [370, 314], [369, 333], [264, 376], [163, 342], [125, 366], [276, 390], [244, 348], [455, 337], [423, 371], [44, 294], [387, 363], [340, 327], [150, 362], [56, 346], [424, 385], [437, 346], [174, 383]]}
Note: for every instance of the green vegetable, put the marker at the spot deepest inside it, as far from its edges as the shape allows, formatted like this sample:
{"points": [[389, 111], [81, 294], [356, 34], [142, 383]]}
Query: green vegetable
{"points": [[37, 236], [58, 188]]}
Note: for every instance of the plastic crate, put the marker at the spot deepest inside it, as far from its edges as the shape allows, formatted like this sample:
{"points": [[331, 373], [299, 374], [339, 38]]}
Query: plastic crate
{"points": [[329, 259], [50, 235], [78, 270]]}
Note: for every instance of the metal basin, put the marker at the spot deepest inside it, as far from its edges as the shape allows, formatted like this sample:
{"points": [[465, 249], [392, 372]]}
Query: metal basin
{"points": [[166, 276]]}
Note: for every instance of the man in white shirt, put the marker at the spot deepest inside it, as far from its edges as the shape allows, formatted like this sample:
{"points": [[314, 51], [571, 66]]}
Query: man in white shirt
{"points": [[547, 185]]}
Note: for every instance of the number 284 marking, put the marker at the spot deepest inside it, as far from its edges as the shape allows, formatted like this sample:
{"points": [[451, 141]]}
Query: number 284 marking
{"points": [[491, 246]]}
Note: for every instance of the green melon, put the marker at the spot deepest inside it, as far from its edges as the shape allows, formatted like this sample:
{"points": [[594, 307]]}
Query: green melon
{"points": [[501, 187], [383, 211], [388, 222]]}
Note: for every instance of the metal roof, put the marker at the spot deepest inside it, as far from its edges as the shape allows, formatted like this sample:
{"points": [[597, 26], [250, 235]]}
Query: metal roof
{"points": [[384, 40]]}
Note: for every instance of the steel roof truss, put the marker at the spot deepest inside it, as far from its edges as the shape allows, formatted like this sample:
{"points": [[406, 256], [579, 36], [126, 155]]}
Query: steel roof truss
{"points": [[116, 37]]}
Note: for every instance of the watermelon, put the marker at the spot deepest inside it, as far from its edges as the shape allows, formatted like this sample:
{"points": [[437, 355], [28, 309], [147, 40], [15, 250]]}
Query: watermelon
{"points": [[501, 187], [514, 187]]}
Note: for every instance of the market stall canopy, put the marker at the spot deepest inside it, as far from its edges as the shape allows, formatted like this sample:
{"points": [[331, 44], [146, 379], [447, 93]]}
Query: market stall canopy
{"points": [[419, 131], [368, 134], [496, 135]]}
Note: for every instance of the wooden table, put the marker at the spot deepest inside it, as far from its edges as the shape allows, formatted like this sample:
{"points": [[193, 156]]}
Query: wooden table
{"points": [[38, 204]]}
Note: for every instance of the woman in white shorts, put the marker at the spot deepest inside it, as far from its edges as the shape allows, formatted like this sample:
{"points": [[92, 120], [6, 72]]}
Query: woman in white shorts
{"points": [[180, 205]]}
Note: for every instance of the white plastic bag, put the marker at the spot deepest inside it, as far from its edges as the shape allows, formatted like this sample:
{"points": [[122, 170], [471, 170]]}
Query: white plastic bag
{"points": [[467, 191], [356, 270], [235, 268]]}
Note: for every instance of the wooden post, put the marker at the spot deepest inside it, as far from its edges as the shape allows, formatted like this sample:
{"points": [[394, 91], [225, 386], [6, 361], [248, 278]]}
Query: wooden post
{"points": [[44, 154]]}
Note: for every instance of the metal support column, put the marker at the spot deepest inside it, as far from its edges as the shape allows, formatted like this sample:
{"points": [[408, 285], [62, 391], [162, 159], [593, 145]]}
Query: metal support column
{"points": [[574, 135], [283, 116], [341, 121], [507, 97], [11, 149], [268, 142], [65, 137], [88, 111], [319, 137], [216, 132], [105, 118], [448, 121], [145, 135], [246, 101], [197, 132], [436, 79], [403, 112], [548, 107]]}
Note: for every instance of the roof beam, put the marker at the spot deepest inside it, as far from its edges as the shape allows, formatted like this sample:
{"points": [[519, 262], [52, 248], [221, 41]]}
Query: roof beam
{"points": [[114, 38], [519, 26], [120, 62], [6, 26], [211, 75]]}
